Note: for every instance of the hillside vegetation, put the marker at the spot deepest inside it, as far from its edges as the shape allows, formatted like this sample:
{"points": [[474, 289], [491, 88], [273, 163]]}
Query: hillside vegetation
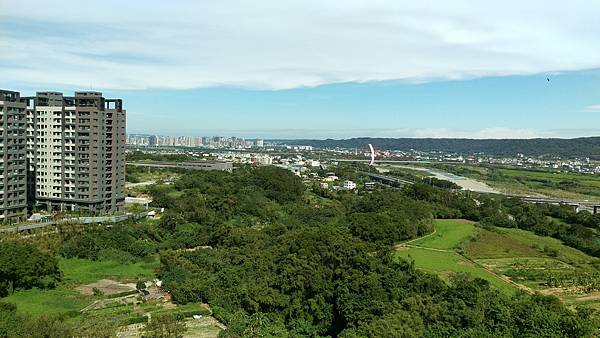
{"points": [[273, 258], [549, 147]]}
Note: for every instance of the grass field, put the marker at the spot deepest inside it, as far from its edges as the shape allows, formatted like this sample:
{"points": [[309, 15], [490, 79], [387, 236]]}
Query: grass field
{"points": [[508, 258], [64, 299], [435, 254], [82, 271], [142, 174], [445, 263], [515, 243], [61, 300], [449, 234]]}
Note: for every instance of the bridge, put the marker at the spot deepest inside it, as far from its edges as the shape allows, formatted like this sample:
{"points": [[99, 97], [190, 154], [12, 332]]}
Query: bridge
{"points": [[387, 179], [593, 206], [394, 161]]}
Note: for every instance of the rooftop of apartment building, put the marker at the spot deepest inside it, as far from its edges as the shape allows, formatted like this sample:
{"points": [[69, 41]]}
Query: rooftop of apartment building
{"points": [[9, 96], [80, 99]]}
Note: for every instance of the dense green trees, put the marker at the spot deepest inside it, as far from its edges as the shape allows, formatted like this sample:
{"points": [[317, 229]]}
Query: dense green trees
{"points": [[388, 218], [121, 242], [24, 266], [568, 214], [290, 265], [135, 156], [313, 281], [164, 326], [470, 308], [274, 260], [577, 230]]}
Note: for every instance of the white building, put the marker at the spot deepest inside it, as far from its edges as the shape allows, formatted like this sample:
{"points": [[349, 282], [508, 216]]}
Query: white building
{"points": [[349, 185], [330, 178], [264, 160]]}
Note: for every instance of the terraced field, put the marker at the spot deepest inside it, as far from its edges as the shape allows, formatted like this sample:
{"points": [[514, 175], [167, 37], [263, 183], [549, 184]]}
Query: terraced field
{"points": [[437, 253], [542, 264], [510, 259]]}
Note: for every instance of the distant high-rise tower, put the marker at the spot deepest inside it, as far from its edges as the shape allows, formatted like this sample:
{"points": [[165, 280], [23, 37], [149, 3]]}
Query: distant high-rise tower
{"points": [[152, 140], [76, 151], [13, 194]]}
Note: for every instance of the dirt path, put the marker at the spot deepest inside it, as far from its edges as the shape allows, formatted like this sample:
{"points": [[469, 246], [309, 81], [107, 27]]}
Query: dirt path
{"points": [[404, 245], [419, 238], [428, 248], [139, 184]]}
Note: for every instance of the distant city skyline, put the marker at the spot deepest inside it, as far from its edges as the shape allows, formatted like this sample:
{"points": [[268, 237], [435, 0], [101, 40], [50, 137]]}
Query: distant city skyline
{"points": [[193, 141], [337, 69]]}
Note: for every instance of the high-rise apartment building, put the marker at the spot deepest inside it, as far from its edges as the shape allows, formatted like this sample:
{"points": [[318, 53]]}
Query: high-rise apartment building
{"points": [[76, 151], [13, 194]]}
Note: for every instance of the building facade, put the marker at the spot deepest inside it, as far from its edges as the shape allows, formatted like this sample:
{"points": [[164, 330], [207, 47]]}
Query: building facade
{"points": [[75, 151], [13, 193], [349, 185]]}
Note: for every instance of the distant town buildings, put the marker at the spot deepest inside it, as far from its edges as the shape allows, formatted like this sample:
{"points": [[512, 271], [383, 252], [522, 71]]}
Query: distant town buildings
{"points": [[263, 160], [193, 141]]}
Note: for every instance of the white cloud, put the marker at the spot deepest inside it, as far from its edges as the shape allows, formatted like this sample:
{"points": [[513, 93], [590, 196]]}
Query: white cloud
{"points": [[592, 109], [283, 44]]}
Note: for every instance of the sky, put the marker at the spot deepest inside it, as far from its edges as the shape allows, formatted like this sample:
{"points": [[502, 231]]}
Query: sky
{"points": [[318, 69]]}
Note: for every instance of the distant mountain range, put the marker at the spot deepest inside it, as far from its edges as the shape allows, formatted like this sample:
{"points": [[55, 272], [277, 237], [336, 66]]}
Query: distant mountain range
{"points": [[547, 147]]}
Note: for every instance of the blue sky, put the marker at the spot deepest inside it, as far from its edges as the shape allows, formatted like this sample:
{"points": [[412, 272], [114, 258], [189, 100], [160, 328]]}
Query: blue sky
{"points": [[317, 69]]}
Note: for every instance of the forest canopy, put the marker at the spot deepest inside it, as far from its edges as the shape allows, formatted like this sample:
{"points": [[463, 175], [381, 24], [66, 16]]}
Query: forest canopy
{"points": [[274, 258]]}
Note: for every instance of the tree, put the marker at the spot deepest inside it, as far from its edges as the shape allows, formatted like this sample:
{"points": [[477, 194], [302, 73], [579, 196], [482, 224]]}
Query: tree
{"points": [[97, 327], [24, 266], [164, 326], [44, 327]]}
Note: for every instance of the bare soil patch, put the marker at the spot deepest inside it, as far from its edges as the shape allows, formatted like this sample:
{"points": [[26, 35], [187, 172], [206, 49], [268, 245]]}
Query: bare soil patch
{"points": [[106, 286], [591, 297], [461, 221]]}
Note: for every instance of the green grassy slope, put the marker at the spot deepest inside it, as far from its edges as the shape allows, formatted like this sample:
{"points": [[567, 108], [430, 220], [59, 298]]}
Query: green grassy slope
{"points": [[435, 253], [449, 234]]}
